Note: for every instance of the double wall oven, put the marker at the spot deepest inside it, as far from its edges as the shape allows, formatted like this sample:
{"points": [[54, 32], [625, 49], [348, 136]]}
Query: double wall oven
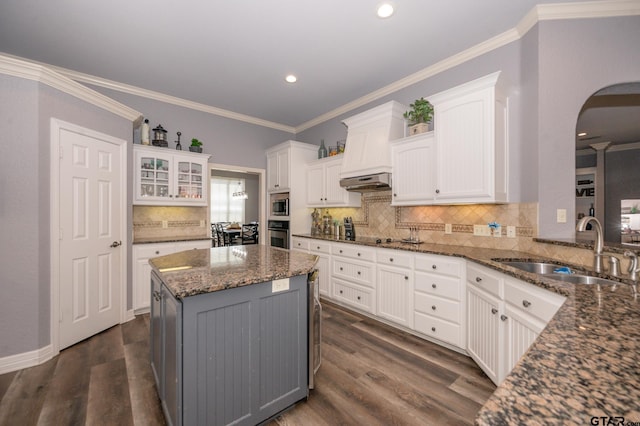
{"points": [[278, 233]]}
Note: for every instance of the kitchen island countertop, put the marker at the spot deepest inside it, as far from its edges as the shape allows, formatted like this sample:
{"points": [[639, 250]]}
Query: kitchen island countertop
{"points": [[193, 272], [584, 364]]}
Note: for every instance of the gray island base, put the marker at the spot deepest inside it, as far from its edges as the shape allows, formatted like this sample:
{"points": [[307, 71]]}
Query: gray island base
{"points": [[237, 354]]}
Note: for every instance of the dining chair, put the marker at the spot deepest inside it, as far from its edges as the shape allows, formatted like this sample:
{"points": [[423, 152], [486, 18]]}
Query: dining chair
{"points": [[223, 237], [249, 234]]}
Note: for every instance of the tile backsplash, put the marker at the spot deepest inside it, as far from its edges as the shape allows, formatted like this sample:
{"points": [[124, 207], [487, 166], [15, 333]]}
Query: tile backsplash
{"points": [[169, 222]]}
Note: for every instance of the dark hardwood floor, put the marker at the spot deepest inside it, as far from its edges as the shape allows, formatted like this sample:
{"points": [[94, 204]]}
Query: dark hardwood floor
{"points": [[370, 374]]}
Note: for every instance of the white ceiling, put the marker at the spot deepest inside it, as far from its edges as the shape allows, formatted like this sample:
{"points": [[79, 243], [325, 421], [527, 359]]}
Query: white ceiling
{"points": [[234, 55]]}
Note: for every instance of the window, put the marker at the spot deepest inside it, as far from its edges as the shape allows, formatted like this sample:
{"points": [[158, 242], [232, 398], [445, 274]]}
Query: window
{"points": [[225, 208]]}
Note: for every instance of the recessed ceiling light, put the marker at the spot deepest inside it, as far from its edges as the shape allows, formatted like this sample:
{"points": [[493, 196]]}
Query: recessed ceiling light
{"points": [[582, 134], [291, 78], [385, 10]]}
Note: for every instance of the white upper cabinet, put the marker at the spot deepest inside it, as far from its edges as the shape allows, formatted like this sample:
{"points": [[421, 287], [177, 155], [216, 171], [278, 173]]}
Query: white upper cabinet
{"points": [[414, 162], [278, 170], [169, 177], [323, 185], [471, 133]]}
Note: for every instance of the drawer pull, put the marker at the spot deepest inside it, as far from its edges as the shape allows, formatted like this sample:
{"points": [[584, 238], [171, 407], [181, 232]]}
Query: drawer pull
{"points": [[157, 251], [434, 267], [358, 297], [503, 317], [358, 254], [494, 311], [341, 268], [433, 285], [406, 277], [526, 303], [391, 259], [340, 251], [433, 307], [433, 329], [478, 279], [358, 272], [340, 291]]}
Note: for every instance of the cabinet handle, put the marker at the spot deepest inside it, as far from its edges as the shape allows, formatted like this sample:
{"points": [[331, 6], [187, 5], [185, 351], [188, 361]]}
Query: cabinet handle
{"points": [[157, 251], [341, 268], [395, 195], [340, 251], [478, 279], [434, 267], [358, 297], [391, 259], [340, 291], [318, 248], [358, 254], [433, 307], [503, 317], [494, 311], [433, 329], [437, 191], [358, 272], [406, 277], [433, 285], [156, 295], [526, 303]]}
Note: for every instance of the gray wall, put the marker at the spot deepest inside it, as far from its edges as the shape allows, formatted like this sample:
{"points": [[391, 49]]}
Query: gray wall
{"points": [[26, 110], [227, 141]]}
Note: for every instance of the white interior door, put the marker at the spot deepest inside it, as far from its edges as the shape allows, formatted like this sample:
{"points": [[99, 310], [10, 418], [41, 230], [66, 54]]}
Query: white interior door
{"points": [[90, 279]]}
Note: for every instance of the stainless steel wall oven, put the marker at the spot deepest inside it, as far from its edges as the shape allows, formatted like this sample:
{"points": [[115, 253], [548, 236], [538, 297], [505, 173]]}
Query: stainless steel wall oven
{"points": [[278, 233]]}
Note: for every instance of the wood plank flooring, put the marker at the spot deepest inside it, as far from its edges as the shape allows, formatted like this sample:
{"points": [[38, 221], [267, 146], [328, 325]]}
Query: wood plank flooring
{"points": [[371, 374]]}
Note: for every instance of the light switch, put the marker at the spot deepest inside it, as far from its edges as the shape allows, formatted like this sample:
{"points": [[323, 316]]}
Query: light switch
{"points": [[561, 215], [447, 228]]}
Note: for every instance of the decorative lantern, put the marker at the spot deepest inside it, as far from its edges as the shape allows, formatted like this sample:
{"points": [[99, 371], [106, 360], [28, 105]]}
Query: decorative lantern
{"points": [[160, 137]]}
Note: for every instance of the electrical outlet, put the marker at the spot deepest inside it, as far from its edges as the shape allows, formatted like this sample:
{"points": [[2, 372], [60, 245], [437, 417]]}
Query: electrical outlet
{"points": [[561, 215], [482, 230], [447, 228], [497, 233], [279, 285], [511, 231], [165, 224]]}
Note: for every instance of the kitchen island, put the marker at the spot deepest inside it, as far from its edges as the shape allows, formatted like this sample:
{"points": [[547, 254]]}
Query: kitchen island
{"points": [[229, 333]]}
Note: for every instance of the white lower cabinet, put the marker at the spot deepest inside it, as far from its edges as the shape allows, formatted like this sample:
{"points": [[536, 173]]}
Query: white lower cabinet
{"points": [[439, 298], [504, 318], [353, 276], [323, 251], [395, 287], [142, 270]]}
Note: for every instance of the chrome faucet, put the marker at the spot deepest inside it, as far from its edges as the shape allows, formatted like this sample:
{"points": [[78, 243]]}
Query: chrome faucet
{"points": [[597, 248], [633, 265]]}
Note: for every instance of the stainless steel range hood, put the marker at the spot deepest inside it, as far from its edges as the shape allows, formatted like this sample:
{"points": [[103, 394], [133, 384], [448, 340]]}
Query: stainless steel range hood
{"points": [[368, 183], [366, 165]]}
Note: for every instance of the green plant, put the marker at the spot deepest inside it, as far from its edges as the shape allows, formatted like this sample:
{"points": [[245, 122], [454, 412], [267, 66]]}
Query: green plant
{"points": [[195, 142], [421, 111]]}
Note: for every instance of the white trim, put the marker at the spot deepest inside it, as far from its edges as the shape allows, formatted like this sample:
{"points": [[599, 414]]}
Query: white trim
{"points": [[56, 126], [262, 184], [25, 360], [540, 12], [44, 74]]}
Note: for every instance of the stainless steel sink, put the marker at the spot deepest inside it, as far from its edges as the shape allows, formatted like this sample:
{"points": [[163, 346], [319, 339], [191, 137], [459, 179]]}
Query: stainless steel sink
{"points": [[535, 267], [582, 279]]}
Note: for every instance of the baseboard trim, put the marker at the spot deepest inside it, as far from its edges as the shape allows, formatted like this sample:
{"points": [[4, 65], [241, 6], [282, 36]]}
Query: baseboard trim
{"points": [[16, 362]]}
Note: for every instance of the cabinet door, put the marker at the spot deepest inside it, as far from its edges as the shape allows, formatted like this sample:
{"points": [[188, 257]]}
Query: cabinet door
{"points": [[172, 357], [521, 330], [142, 271], [334, 194], [191, 181], [283, 169], [324, 278], [395, 288], [155, 327], [272, 171], [315, 186], [153, 176], [414, 164], [484, 339]]}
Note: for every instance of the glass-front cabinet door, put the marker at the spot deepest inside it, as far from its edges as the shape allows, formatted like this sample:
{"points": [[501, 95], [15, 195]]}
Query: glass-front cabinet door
{"points": [[165, 178], [190, 178], [154, 176]]}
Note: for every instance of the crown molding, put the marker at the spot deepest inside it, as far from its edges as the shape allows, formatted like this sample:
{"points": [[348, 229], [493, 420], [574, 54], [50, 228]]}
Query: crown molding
{"points": [[45, 75]]}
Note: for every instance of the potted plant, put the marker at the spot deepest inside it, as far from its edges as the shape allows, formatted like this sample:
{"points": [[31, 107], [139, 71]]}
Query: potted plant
{"points": [[419, 116], [196, 145]]}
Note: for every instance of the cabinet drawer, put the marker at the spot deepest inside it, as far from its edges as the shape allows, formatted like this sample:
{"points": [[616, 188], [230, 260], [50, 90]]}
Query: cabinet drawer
{"points": [[300, 244], [360, 297], [395, 258], [319, 247], [535, 301], [358, 272], [438, 285], [485, 280], [440, 265], [153, 250], [437, 307], [354, 251], [438, 329]]}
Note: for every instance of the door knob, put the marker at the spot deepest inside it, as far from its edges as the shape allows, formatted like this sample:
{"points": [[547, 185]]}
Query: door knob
{"points": [[115, 244]]}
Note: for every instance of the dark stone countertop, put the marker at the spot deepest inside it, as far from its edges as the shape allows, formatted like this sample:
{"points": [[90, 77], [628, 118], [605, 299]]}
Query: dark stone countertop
{"points": [[193, 272], [585, 363]]}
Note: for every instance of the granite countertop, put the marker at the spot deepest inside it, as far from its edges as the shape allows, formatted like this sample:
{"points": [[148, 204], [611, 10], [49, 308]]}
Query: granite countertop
{"points": [[156, 240], [584, 364], [193, 272]]}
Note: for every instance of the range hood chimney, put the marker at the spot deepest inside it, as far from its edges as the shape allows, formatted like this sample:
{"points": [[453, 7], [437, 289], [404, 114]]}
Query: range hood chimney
{"points": [[367, 154]]}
